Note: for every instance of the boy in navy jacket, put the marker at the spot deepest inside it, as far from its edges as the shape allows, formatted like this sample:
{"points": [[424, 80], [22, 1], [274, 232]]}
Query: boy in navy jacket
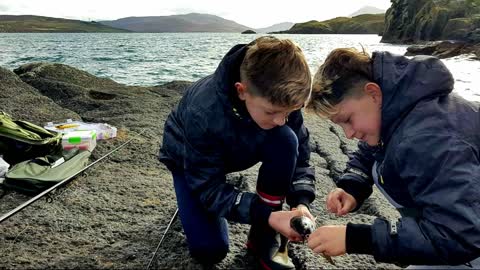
{"points": [[419, 144], [247, 112]]}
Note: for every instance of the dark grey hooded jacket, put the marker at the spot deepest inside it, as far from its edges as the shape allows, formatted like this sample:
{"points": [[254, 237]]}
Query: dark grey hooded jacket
{"points": [[210, 134], [429, 164]]}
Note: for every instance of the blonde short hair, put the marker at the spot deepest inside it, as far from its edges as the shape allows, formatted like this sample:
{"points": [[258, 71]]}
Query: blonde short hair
{"points": [[340, 76], [277, 70]]}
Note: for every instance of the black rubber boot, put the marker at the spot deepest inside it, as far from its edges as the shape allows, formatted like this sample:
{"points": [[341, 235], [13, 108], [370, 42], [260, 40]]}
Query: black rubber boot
{"points": [[270, 248]]}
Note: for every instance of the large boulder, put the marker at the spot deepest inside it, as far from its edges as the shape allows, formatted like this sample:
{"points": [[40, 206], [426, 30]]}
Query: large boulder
{"points": [[94, 98], [444, 49], [23, 101]]}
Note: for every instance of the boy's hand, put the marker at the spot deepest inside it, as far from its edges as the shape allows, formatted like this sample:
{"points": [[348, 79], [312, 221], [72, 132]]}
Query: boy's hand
{"points": [[328, 240], [304, 210], [340, 202], [280, 222]]}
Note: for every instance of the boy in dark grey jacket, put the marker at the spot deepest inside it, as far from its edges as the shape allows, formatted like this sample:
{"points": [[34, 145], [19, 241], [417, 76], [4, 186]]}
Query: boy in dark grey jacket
{"points": [[247, 112], [419, 144]]}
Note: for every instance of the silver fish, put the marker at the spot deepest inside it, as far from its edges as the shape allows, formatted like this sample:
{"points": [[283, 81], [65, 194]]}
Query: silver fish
{"points": [[305, 226], [302, 225]]}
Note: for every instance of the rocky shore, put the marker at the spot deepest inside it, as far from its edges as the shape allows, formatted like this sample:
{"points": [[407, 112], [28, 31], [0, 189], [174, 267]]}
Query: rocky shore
{"points": [[436, 27], [113, 215], [445, 49]]}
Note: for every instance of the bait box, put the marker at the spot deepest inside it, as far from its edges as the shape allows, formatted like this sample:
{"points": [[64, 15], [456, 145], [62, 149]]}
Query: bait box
{"points": [[81, 139]]}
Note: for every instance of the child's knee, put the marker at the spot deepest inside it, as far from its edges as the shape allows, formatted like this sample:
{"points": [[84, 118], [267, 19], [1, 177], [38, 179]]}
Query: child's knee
{"points": [[286, 137]]}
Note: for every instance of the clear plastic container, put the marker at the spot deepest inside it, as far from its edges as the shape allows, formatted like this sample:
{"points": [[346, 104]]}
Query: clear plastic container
{"points": [[81, 139], [3, 167], [103, 131]]}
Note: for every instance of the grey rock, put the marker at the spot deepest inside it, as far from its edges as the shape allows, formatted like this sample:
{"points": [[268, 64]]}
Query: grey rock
{"points": [[114, 215], [444, 49]]}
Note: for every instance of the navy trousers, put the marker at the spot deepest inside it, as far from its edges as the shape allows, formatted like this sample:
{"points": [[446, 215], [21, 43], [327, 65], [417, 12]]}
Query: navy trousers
{"points": [[207, 236]]}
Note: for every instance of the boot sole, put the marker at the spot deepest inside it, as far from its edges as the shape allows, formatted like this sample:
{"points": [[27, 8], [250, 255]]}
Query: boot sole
{"points": [[251, 249]]}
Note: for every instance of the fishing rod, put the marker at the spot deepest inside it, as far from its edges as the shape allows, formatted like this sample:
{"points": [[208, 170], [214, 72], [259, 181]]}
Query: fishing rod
{"points": [[45, 192], [163, 237]]}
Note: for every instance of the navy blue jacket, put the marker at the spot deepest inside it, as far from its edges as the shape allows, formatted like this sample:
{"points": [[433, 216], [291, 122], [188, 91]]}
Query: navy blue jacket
{"points": [[429, 164], [210, 134]]}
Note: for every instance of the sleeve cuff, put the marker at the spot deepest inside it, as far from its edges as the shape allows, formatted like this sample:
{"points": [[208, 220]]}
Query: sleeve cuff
{"points": [[303, 200], [259, 212], [300, 197], [358, 191], [359, 239]]}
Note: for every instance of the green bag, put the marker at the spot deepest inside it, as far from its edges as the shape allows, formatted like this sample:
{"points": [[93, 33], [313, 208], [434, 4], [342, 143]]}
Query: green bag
{"points": [[38, 174], [36, 156], [22, 140]]}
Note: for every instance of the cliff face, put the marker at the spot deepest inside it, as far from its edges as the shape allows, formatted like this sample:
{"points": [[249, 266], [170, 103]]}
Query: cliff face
{"points": [[409, 21]]}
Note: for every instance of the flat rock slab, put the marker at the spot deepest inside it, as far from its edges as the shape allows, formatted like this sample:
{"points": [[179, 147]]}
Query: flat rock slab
{"points": [[113, 215]]}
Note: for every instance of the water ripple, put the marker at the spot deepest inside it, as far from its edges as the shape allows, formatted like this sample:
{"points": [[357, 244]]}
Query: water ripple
{"points": [[155, 58]]}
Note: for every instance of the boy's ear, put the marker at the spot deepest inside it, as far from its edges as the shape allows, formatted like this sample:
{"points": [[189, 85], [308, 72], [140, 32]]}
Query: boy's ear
{"points": [[241, 90], [373, 90]]}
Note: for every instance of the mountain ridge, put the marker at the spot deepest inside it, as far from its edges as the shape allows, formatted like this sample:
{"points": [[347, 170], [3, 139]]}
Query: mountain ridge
{"points": [[191, 22], [275, 27], [39, 24], [367, 10]]}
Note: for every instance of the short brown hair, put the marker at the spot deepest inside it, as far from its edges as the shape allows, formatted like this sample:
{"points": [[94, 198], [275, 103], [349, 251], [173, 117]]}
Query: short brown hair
{"points": [[277, 70], [338, 77]]}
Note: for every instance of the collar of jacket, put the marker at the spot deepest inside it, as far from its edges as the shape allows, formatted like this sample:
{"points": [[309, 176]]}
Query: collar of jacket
{"points": [[225, 77], [404, 83]]}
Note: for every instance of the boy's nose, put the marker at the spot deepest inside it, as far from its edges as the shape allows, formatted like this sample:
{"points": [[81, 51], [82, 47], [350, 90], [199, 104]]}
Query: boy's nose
{"points": [[349, 132], [279, 121]]}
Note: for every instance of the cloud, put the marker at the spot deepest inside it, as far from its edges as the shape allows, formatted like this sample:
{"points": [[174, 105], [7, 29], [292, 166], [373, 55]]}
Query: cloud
{"points": [[4, 8]]}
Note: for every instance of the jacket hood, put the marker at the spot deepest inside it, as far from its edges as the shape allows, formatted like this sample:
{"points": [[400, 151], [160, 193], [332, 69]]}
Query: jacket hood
{"points": [[404, 82], [228, 73]]}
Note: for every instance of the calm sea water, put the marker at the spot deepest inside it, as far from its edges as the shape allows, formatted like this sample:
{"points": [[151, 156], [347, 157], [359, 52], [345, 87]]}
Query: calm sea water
{"points": [[152, 59]]}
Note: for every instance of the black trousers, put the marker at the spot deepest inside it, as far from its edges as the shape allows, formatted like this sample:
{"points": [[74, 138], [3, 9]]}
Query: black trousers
{"points": [[207, 237]]}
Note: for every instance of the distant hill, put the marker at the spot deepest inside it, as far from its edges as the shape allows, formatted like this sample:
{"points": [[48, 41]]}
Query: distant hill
{"points": [[192, 22], [36, 24], [367, 10], [361, 24], [276, 27]]}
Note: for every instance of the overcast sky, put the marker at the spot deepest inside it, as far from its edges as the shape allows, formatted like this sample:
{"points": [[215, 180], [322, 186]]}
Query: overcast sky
{"points": [[251, 13]]}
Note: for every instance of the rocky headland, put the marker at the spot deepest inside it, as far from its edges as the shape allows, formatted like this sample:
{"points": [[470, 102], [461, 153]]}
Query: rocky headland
{"points": [[113, 215], [443, 28], [453, 25], [361, 24]]}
